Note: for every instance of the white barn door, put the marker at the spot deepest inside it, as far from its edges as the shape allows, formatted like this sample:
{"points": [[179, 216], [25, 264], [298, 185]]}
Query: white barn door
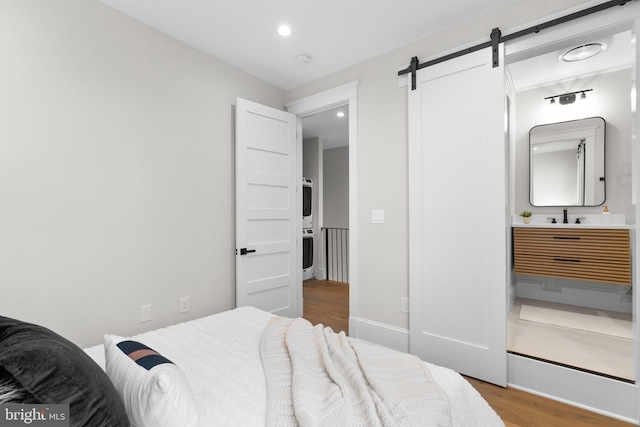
{"points": [[268, 219], [458, 216]]}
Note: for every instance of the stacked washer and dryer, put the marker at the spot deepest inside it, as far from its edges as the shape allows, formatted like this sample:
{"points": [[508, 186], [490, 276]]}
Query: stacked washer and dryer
{"points": [[307, 228]]}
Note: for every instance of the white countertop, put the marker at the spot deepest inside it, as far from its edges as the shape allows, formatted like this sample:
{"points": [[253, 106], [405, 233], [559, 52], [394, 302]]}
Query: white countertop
{"points": [[549, 225], [586, 221]]}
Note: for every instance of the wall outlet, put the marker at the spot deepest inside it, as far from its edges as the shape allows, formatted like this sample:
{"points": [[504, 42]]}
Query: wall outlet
{"points": [[404, 305], [145, 313], [184, 304]]}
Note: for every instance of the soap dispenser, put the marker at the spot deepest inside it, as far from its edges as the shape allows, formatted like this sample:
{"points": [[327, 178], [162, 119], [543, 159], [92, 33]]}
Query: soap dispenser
{"points": [[606, 219]]}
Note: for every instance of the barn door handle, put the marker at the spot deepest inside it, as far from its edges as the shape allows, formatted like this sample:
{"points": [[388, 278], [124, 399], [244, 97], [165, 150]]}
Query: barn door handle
{"points": [[244, 251]]}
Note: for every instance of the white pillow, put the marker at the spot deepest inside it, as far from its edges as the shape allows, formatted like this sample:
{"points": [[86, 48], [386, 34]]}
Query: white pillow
{"points": [[155, 392]]}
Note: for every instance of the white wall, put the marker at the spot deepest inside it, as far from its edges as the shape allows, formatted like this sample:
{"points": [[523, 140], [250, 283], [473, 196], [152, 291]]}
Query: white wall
{"points": [[610, 100], [382, 154], [116, 170], [336, 187]]}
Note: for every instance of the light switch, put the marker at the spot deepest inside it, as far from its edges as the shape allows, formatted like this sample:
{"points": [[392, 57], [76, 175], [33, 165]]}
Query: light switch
{"points": [[377, 216]]}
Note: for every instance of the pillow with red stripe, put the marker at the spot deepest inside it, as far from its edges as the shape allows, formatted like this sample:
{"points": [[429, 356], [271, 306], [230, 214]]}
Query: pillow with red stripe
{"points": [[154, 390]]}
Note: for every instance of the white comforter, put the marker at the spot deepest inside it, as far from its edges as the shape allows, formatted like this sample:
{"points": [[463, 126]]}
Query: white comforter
{"points": [[220, 356]]}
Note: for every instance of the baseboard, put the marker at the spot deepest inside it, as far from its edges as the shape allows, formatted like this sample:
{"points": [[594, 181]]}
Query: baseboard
{"points": [[598, 394], [379, 333]]}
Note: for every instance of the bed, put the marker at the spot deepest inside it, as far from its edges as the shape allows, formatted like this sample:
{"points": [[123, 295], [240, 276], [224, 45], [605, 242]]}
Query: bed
{"points": [[229, 369]]}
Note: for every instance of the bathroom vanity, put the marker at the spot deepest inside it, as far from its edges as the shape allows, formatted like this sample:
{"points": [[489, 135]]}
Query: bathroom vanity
{"points": [[579, 252]]}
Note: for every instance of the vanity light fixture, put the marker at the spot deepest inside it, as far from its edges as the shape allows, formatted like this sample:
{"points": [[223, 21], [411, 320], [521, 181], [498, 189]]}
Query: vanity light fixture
{"points": [[568, 98]]}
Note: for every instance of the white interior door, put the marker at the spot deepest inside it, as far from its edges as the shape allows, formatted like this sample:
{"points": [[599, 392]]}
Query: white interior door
{"points": [[268, 219], [458, 216]]}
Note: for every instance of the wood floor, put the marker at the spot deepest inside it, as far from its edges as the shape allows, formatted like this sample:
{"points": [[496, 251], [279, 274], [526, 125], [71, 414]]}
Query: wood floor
{"points": [[328, 303], [520, 409]]}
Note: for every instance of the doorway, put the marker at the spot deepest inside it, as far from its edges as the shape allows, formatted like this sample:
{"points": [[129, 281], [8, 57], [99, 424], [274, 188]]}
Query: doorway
{"points": [[557, 319], [563, 383], [325, 168], [318, 108]]}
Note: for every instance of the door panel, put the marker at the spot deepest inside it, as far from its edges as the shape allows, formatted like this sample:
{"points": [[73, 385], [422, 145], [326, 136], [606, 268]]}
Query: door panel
{"points": [[267, 209], [458, 216]]}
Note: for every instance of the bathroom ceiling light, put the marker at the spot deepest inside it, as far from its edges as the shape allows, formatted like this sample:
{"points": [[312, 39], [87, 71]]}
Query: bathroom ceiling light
{"points": [[583, 52], [340, 114], [284, 30]]}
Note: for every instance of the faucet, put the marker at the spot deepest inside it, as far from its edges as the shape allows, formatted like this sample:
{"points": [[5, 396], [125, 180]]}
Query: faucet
{"points": [[565, 220]]}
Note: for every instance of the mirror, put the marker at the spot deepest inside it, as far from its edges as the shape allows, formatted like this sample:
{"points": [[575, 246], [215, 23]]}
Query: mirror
{"points": [[566, 163]]}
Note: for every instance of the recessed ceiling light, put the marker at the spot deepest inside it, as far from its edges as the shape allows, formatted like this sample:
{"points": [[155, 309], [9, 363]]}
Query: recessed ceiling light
{"points": [[284, 30], [340, 114], [583, 52]]}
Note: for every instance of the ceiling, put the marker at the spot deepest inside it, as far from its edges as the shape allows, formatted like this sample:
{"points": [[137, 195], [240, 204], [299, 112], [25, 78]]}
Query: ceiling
{"points": [[334, 34]]}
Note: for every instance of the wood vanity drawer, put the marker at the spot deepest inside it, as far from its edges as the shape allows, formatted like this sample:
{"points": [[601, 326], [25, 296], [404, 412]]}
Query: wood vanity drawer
{"points": [[601, 255]]}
